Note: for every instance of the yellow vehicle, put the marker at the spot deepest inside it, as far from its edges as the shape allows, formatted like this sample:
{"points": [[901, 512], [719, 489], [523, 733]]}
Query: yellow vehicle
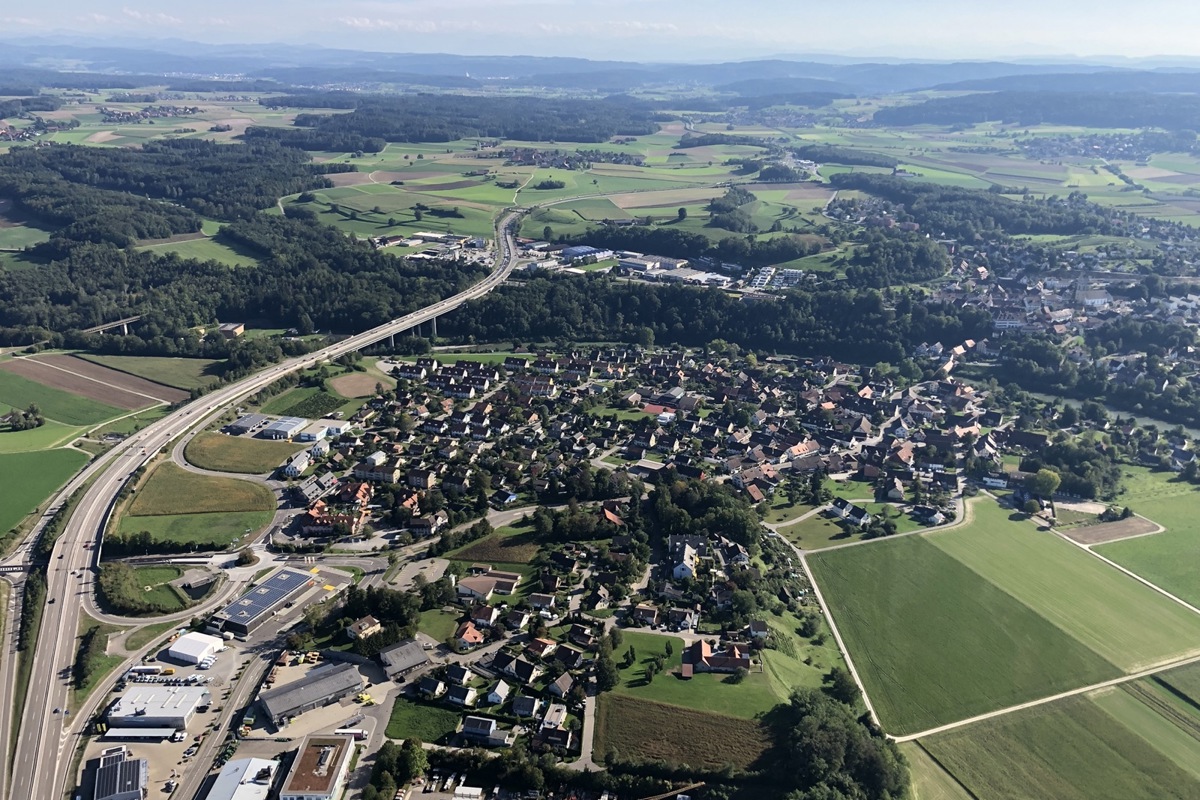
{"points": [[168, 671], [366, 699]]}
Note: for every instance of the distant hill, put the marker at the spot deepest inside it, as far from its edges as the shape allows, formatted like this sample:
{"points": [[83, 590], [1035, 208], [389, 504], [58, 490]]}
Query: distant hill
{"points": [[1112, 81], [1088, 109]]}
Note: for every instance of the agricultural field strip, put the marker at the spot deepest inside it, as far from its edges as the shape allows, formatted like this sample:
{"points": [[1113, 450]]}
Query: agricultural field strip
{"points": [[46, 363], [1000, 712]]}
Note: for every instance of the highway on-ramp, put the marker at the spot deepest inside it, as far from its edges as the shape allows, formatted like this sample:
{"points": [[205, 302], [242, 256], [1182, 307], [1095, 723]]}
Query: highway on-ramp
{"points": [[45, 744]]}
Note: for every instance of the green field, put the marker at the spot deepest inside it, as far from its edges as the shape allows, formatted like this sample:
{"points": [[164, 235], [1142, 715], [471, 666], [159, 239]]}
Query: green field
{"points": [[170, 489], [221, 453], [57, 405], [639, 730], [18, 237], [219, 530], [182, 373], [1169, 559], [43, 437], [428, 723], [30, 478], [929, 780], [309, 402], [207, 249], [514, 544], [1123, 621], [704, 692], [1070, 750], [934, 642], [157, 580]]}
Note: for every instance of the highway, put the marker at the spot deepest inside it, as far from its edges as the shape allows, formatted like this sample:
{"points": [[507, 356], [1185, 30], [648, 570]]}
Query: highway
{"points": [[45, 744]]}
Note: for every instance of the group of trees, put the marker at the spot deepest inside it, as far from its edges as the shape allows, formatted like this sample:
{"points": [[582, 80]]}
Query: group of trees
{"points": [[398, 612], [676, 243], [728, 211], [851, 325], [395, 765], [1084, 467], [377, 120], [887, 259], [828, 153]]}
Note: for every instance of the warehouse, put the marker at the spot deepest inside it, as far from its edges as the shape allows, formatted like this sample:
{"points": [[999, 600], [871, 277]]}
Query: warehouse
{"points": [[244, 779], [244, 615], [246, 423], [402, 658], [157, 706], [319, 771], [318, 688], [192, 648], [120, 776], [284, 428]]}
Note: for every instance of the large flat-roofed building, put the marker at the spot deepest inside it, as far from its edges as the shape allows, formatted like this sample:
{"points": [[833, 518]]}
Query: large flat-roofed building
{"points": [[192, 648], [402, 658], [322, 686], [244, 779], [157, 706], [243, 616], [284, 428], [247, 423], [120, 776], [319, 772]]}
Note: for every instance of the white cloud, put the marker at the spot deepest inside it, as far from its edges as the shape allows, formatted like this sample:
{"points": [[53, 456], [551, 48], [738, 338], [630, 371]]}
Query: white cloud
{"points": [[151, 17]]}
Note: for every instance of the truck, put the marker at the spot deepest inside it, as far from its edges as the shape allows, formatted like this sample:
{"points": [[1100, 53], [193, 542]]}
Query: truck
{"points": [[148, 669], [358, 733]]}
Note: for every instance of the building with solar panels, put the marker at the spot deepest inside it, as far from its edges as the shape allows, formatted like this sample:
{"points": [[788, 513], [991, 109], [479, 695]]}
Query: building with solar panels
{"points": [[284, 428], [120, 776], [243, 616]]}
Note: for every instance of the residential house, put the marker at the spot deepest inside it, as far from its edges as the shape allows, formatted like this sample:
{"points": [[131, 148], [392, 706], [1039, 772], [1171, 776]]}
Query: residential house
{"points": [[364, 628], [499, 693], [561, 687], [468, 636], [462, 695]]}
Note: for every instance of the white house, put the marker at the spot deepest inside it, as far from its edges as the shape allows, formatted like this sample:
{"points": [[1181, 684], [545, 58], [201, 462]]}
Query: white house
{"points": [[298, 464]]}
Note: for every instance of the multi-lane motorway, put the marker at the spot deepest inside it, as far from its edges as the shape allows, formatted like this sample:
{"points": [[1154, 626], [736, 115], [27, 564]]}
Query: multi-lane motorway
{"points": [[45, 745]]}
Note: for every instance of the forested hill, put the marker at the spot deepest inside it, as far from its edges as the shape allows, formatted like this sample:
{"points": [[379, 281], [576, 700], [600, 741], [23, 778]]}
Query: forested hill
{"points": [[311, 277], [1086, 109], [853, 325], [444, 118]]}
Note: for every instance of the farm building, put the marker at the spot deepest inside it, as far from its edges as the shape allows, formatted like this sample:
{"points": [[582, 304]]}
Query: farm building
{"points": [[244, 615], [319, 772], [157, 706], [121, 777], [284, 428], [246, 423], [318, 688], [192, 648], [244, 779], [232, 330]]}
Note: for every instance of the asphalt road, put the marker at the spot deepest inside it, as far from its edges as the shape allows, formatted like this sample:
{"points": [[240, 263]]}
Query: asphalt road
{"points": [[44, 751]]}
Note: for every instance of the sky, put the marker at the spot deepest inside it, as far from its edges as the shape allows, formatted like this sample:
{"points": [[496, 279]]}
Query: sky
{"points": [[643, 30]]}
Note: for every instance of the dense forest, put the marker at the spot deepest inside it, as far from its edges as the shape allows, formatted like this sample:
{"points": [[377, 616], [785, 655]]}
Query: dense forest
{"points": [[828, 153], [675, 243], [1086, 109], [20, 105], [969, 214], [857, 326], [445, 118], [894, 259], [311, 277]]}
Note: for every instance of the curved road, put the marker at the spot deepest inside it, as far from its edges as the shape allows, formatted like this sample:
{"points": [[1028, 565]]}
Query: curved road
{"points": [[44, 750]]}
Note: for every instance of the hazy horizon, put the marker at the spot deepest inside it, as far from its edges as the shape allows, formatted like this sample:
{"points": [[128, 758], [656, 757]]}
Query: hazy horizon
{"points": [[642, 30]]}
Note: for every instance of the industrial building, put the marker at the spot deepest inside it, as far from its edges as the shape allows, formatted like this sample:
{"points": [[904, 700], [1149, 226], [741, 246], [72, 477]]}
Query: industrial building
{"points": [[284, 428], [244, 615], [120, 776], [319, 772], [192, 648], [402, 658], [157, 706], [320, 687], [313, 433], [244, 779], [247, 423]]}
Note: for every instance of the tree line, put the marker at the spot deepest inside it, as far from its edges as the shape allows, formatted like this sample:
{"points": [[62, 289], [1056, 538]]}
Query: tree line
{"points": [[676, 243], [853, 325]]}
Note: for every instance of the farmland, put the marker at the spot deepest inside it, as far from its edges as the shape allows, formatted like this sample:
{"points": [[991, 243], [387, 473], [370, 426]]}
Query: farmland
{"points": [[215, 530], [172, 490], [641, 730], [1069, 749], [935, 642], [94, 382], [29, 478], [20, 392], [181, 373], [220, 453]]}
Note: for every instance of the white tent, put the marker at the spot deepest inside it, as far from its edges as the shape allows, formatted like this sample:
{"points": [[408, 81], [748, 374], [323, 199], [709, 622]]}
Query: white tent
{"points": [[192, 648]]}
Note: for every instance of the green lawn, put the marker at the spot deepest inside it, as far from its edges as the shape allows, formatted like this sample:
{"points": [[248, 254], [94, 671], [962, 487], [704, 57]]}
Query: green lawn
{"points": [[704, 692], [101, 666], [134, 422], [221, 453], [818, 531], [1125, 622], [44, 437], [57, 405], [158, 578], [171, 489], [219, 530], [785, 664], [428, 723], [438, 624], [513, 544], [30, 478], [1071, 750], [182, 373], [207, 250], [145, 635], [935, 642]]}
